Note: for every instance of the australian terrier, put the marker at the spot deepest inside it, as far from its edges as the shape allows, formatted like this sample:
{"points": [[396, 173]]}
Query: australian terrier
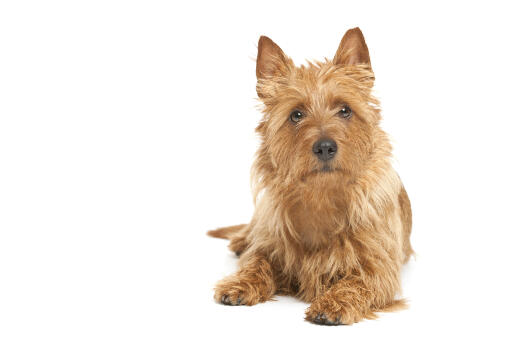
{"points": [[332, 219]]}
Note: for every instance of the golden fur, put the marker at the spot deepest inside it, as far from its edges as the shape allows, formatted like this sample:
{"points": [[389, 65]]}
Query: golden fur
{"points": [[335, 238]]}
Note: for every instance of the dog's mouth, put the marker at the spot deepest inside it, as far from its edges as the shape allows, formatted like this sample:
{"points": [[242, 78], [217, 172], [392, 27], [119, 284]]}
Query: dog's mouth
{"points": [[324, 173], [325, 169]]}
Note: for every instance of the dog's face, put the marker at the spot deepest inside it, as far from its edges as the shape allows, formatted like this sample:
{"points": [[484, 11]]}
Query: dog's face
{"points": [[320, 119]]}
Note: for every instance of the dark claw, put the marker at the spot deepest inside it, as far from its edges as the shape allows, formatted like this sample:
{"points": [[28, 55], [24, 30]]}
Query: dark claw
{"points": [[226, 300], [322, 319]]}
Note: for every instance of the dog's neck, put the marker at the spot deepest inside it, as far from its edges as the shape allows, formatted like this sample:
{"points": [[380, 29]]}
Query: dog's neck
{"points": [[315, 210]]}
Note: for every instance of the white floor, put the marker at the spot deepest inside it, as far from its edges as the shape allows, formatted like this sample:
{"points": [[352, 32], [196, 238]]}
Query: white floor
{"points": [[127, 131]]}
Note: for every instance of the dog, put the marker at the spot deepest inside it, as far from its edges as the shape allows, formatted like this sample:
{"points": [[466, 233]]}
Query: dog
{"points": [[332, 219]]}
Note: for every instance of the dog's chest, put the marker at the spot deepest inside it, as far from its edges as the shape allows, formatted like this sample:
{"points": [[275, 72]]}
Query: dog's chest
{"points": [[317, 226]]}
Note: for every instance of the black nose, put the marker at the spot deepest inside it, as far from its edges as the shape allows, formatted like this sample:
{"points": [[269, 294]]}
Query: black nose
{"points": [[324, 149]]}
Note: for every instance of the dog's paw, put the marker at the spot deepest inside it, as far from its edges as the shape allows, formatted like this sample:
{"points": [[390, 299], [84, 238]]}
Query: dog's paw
{"points": [[233, 293], [236, 291], [325, 310], [322, 318], [231, 301], [238, 245]]}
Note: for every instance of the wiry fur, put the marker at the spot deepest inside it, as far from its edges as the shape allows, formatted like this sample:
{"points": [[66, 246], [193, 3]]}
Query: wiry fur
{"points": [[334, 238]]}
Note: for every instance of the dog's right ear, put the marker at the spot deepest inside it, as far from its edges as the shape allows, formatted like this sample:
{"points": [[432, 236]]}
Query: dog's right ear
{"points": [[352, 49], [271, 61]]}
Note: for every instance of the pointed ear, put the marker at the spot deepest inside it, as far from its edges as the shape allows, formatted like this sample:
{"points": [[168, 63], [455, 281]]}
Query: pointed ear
{"points": [[271, 61], [352, 49]]}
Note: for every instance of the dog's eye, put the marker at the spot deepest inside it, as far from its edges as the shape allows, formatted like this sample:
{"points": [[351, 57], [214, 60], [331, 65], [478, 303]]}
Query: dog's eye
{"points": [[296, 116], [345, 112]]}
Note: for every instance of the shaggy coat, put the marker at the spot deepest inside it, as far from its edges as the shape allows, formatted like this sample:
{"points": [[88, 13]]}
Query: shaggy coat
{"points": [[334, 234]]}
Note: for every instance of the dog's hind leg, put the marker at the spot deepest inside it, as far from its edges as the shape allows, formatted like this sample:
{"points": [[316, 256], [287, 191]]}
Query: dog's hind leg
{"points": [[236, 234], [406, 219]]}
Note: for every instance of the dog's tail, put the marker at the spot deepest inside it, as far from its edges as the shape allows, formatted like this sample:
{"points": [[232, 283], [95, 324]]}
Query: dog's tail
{"points": [[226, 232], [395, 306]]}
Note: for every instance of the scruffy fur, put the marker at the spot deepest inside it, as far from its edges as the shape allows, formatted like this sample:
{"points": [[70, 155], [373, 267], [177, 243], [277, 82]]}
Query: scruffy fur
{"points": [[334, 236]]}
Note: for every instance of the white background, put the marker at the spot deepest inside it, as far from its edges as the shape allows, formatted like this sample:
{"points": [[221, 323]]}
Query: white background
{"points": [[127, 131]]}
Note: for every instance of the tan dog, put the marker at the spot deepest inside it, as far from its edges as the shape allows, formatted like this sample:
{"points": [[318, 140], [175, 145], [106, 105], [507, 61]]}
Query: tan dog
{"points": [[332, 219]]}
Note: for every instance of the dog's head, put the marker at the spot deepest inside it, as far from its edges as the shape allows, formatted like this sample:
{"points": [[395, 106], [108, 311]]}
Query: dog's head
{"points": [[320, 120]]}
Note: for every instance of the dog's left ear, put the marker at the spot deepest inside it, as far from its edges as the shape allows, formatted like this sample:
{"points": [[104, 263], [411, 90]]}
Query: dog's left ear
{"points": [[271, 61], [352, 49]]}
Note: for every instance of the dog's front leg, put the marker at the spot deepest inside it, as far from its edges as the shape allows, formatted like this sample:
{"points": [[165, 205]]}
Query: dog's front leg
{"points": [[351, 300], [253, 283]]}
